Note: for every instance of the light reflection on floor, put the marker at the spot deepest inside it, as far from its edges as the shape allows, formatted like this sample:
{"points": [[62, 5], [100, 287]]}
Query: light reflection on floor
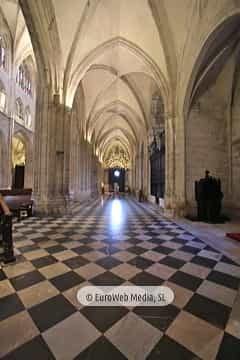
{"points": [[116, 216]]}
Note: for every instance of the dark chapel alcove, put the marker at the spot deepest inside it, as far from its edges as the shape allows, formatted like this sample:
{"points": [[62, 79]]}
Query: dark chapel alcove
{"points": [[157, 163]]}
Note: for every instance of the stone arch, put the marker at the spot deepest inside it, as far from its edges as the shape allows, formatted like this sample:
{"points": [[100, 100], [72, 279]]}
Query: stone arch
{"points": [[125, 80], [109, 119], [28, 148], [210, 52], [124, 141], [108, 137], [112, 106], [46, 44]]}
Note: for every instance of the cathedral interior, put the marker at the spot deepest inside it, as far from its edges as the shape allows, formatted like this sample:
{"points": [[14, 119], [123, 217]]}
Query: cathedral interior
{"points": [[119, 167]]}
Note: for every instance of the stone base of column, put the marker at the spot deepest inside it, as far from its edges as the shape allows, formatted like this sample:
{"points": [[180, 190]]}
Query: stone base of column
{"points": [[169, 213], [174, 208], [80, 196], [54, 207]]}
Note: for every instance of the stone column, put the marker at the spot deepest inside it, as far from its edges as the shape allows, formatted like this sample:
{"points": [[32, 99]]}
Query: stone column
{"points": [[28, 178], [169, 198], [146, 162], [133, 189], [81, 165], [175, 193], [126, 178], [180, 166], [106, 172], [93, 174], [9, 165], [85, 167], [50, 189]]}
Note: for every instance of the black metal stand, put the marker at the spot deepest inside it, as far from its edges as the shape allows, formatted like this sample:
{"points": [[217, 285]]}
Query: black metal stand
{"points": [[7, 239], [209, 196]]}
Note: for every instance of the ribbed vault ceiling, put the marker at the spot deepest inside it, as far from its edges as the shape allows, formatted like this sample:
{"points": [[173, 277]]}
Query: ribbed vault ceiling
{"points": [[118, 65]]}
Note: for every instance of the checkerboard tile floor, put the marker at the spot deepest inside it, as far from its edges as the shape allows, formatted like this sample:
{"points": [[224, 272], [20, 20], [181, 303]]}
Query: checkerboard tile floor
{"points": [[114, 242]]}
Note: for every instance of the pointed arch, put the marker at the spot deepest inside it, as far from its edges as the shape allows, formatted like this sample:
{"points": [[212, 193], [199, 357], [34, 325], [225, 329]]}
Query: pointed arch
{"points": [[40, 20], [216, 48]]}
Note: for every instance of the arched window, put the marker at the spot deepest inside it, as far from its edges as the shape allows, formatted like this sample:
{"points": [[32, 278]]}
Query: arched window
{"points": [[19, 110], [23, 79], [28, 118], [3, 53], [3, 97]]}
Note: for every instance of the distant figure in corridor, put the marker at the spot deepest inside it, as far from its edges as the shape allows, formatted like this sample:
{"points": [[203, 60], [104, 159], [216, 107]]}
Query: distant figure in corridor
{"points": [[116, 188]]}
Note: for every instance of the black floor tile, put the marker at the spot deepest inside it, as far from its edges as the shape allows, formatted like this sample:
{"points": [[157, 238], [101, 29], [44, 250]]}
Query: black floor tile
{"points": [[101, 349], [66, 281], [209, 310], [104, 317], [10, 305], [134, 241], [140, 262], [138, 250], [2, 275], [180, 241], [199, 260], [172, 262], [227, 260], [82, 249], [26, 280], [167, 348], [76, 262], [186, 280], [35, 349], [51, 311], [229, 348], [158, 316], [146, 279], [28, 248], [107, 279], [163, 250], [108, 262], [55, 249], [190, 249], [87, 241], [44, 261], [109, 250], [224, 279], [209, 248], [157, 242]]}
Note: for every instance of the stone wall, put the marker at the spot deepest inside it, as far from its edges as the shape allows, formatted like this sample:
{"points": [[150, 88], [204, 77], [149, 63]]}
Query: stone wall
{"points": [[207, 139], [235, 142]]}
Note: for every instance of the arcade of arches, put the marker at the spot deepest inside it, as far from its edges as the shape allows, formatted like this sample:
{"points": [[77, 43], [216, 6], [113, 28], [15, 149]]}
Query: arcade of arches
{"points": [[138, 96]]}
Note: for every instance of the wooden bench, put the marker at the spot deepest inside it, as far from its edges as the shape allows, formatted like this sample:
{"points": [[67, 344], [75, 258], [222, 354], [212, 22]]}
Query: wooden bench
{"points": [[18, 201]]}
